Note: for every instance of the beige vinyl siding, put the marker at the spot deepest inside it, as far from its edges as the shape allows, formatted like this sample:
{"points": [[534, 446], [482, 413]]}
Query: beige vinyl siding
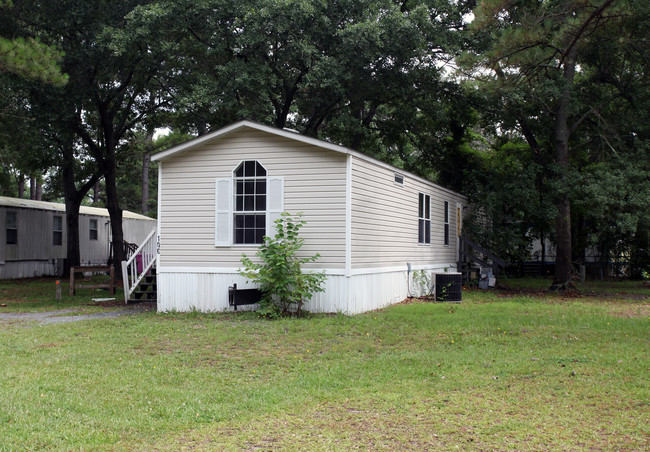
{"points": [[314, 183], [385, 219]]}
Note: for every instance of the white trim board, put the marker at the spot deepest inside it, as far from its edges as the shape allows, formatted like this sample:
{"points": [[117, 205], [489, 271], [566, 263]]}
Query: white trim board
{"points": [[328, 271], [159, 220], [348, 217]]}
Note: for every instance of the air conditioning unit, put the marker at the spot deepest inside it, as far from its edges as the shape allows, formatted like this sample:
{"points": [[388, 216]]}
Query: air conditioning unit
{"points": [[449, 287]]}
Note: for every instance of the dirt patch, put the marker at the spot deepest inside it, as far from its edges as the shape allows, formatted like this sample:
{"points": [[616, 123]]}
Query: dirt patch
{"points": [[68, 315], [107, 304], [508, 292], [630, 311]]}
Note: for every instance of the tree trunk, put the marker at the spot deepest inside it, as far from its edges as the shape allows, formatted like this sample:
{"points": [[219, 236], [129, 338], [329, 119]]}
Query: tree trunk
{"points": [[115, 213], [563, 270], [32, 188], [96, 193], [21, 187], [543, 243], [146, 160], [73, 199], [73, 250], [39, 191]]}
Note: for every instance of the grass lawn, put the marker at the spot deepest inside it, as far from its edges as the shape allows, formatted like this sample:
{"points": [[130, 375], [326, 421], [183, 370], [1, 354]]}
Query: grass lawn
{"points": [[39, 294], [508, 370]]}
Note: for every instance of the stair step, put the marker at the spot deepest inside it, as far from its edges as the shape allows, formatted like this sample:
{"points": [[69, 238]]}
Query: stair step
{"points": [[147, 290], [147, 286], [143, 300]]}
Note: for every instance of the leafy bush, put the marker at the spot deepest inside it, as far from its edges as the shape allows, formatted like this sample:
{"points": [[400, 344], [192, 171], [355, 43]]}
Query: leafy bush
{"points": [[281, 280]]}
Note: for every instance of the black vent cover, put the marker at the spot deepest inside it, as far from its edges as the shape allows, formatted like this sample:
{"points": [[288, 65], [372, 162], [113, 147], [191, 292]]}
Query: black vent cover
{"points": [[449, 287]]}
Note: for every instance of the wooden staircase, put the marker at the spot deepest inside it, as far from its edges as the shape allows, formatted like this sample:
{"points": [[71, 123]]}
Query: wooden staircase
{"points": [[139, 272], [472, 257], [147, 289]]}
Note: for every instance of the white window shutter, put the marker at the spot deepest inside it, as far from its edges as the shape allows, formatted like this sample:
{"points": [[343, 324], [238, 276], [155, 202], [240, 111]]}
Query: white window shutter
{"points": [[275, 202], [223, 212]]}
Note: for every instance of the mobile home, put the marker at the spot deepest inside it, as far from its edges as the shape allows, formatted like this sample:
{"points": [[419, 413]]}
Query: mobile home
{"points": [[372, 224], [34, 242]]}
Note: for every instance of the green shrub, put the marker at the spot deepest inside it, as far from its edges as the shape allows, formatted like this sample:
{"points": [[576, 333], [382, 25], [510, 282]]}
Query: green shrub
{"points": [[283, 283]]}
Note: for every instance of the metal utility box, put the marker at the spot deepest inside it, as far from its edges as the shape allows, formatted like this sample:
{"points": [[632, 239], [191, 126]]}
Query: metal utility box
{"points": [[449, 287], [243, 297]]}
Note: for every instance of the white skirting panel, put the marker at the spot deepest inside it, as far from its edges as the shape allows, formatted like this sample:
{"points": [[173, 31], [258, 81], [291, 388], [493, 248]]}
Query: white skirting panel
{"points": [[31, 269], [207, 291]]}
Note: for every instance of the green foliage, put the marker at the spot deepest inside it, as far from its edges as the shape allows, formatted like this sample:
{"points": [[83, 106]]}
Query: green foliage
{"points": [[279, 274], [27, 57], [510, 203], [363, 73], [130, 169], [592, 122]]}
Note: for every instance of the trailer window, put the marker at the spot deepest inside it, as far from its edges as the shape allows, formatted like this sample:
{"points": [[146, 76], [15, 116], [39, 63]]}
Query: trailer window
{"points": [[446, 209], [424, 219], [93, 229], [249, 213], [11, 223], [57, 231]]}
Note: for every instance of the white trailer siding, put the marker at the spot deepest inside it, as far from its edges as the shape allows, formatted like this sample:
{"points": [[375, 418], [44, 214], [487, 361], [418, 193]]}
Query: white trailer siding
{"points": [[34, 235], [314, 184], [96, 251], [36, 254]]}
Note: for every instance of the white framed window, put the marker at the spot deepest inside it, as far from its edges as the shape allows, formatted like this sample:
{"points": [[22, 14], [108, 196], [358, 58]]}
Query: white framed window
{"points": [[92, 231], [399, 179], [446, 213], [57, 230], [247, 204], [11, 226], [249, 210], [424, 219]]}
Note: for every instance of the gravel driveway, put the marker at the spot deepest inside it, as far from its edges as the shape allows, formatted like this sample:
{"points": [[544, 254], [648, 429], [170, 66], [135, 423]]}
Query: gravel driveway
{"points": [[59, 316]]}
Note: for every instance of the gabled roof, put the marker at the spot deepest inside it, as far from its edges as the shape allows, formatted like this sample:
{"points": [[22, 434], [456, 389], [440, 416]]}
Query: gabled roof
{"points": [[291, 135], [58, 207], [237, 126]]}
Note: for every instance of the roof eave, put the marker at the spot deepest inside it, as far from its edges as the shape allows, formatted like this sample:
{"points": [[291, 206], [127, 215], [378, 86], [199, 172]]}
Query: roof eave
{"points": [[188, 145]]}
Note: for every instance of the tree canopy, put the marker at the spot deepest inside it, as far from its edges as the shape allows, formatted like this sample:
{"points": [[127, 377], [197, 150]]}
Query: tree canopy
{"points": [[544, 125], [568, 72]]}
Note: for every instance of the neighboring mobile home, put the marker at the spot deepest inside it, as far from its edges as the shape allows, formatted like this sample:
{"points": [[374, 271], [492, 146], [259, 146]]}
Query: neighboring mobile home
{"points": [[369, 221], [34, 240]]}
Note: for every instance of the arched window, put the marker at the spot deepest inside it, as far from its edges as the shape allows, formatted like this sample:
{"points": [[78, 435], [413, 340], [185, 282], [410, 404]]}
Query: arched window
{"points": [[247, 203], [249, 212]]}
